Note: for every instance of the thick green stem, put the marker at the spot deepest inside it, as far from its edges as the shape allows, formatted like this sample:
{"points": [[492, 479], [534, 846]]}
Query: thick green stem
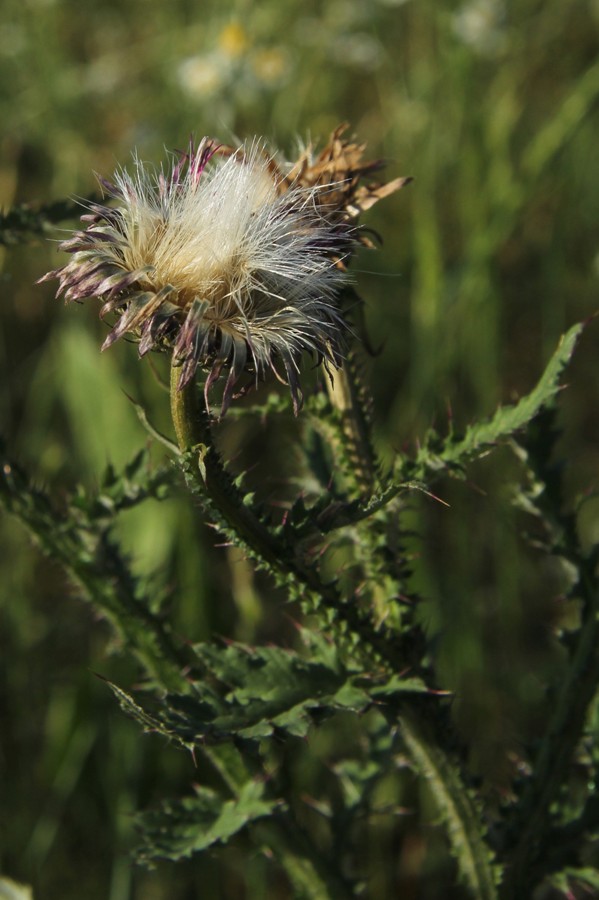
{"points": [[193, 430], [192, 426], [533, 827], [345, 392], [551, 767], [311, 876], [460, 815]]}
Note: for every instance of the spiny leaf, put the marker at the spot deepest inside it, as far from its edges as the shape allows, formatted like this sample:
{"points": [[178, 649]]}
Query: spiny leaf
{"points": [[138, 481], [510, 419], [260, 691], [181, 828], [251, 693], [450, 454], [398, 685], [453, 453], [277, 554], [148, 722]]}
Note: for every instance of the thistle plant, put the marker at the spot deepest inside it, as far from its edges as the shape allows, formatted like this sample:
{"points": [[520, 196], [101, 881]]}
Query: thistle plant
{"points": [[237, 265]]}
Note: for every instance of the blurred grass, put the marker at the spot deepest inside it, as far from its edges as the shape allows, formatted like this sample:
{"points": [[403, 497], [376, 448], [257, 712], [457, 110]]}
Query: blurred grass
{"points": [[487, 258]]}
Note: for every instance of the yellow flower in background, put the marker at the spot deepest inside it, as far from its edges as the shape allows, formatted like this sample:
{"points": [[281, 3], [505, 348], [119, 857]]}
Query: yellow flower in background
{"points": [[233, 40]]}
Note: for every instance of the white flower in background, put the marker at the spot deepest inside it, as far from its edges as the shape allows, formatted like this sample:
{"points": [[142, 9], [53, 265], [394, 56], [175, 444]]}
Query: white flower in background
{"points": [[202, 76], [479, 24]]}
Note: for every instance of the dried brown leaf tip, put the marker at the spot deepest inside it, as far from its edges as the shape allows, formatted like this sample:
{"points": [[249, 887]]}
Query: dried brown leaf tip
{"points": [[343, 177], [227, 258]]}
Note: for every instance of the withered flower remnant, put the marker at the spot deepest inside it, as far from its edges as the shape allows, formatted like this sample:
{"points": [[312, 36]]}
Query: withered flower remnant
{"points": [[227, 258]]}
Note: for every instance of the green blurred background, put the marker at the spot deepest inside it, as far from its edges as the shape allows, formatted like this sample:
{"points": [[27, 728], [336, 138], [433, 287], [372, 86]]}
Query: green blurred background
{"points": [[487, 258]]}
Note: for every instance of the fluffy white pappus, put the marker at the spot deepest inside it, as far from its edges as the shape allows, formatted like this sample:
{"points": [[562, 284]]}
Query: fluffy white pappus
{"points": [[226, 235], [215, 258]]}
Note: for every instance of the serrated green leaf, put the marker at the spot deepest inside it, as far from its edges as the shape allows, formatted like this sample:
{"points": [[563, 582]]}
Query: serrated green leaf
{"points": [[294, 724], [188, 826], [509, 419], [253, 692], [358, 777], [437, 455], [77, 535], [249, 693], [352, 698]]}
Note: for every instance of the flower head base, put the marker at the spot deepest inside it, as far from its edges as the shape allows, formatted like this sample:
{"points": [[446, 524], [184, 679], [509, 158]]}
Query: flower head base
{"points": [[223, 258]]}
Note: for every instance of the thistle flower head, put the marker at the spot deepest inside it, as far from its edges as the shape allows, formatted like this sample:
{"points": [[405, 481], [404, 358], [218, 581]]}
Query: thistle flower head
{"points": [[224, 257]]}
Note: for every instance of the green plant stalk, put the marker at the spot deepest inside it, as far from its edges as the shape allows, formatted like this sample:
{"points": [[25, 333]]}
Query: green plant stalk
{"points": [[307, 871], [563, 734], [360, 473], [460, 815], [192, 427], [531, 828], [193, 430], [345, 393], [359, 469]]}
